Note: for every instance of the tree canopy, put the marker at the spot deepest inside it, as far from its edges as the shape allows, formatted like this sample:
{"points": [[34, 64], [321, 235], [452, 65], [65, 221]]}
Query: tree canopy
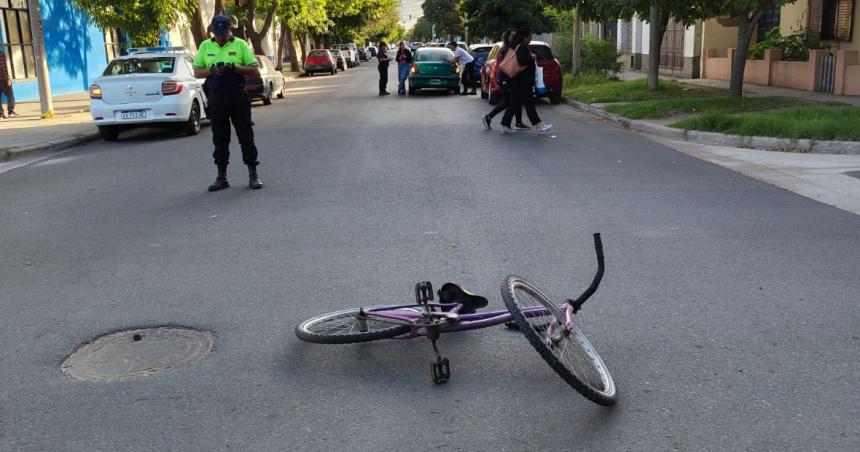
{"points": [[445, 16], [142, 20]]}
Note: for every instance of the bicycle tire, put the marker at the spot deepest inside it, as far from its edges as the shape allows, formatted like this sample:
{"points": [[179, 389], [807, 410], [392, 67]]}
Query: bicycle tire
{"points": [[310, 331], [562, 358]]}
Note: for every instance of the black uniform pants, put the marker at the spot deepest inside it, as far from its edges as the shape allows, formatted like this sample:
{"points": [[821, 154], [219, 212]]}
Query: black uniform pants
{"points": [[226, 107], [383, 78], [10, 96]]}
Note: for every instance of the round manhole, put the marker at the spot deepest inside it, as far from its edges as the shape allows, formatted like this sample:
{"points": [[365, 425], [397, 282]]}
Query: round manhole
{"points": [[138, 353]]}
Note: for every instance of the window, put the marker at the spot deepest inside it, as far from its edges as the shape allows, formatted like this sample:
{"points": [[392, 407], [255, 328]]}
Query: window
{"points": [[126, 66], [768, 21], [113, 45], [831, 20], [541, 52], [17, 41]]}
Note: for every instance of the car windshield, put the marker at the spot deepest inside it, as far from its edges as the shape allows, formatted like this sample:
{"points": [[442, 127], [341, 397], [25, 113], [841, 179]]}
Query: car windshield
{"points": [[541, 52], [481, 51], [154, 65], [317, 53], [434, 55]]}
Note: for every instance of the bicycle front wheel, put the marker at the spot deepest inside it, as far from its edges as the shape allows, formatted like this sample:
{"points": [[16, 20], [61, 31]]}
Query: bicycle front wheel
{"points": [[348, 327], [569, 353]]}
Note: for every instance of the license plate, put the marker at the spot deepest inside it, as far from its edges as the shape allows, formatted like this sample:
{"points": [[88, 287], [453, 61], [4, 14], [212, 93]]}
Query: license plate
{"points": [[435, 81], [135, 114]]}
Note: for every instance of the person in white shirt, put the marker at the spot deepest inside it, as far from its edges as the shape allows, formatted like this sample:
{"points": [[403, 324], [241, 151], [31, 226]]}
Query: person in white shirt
{"points": [[467, 65]]}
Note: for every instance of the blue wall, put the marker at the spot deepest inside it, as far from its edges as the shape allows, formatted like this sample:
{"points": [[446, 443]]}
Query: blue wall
{"points": [[75, 50]]}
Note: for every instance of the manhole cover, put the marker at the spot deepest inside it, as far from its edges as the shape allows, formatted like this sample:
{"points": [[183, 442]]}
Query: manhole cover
{"points": [[853, 174], [138, 353]]}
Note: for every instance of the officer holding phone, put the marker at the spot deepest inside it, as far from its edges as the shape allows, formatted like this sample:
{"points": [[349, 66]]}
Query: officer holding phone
{"points": [[225, 60]]}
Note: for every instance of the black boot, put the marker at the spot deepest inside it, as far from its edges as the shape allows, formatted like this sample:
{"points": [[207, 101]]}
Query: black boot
{"points": [[220, 181], [253, 180]]}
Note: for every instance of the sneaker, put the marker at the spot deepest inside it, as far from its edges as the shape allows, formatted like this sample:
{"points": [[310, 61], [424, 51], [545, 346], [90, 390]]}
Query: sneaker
{"points": [[486, 120], [12, 114], [543, 127], [473, 93], [522, 126], [508, 131]]}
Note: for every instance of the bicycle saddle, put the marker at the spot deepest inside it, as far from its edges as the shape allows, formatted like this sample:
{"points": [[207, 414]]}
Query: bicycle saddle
{"points": [[452, 293]]}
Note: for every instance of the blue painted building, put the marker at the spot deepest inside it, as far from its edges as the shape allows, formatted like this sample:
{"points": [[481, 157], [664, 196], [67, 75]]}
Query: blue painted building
{"points": [[77, 51]]}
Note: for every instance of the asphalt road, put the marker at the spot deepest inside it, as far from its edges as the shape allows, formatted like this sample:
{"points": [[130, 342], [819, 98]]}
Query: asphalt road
{"points": [[728, 315]]}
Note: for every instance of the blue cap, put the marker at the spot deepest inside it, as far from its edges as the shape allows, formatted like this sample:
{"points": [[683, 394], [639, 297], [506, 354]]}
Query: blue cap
{"points": [[221, 25]]}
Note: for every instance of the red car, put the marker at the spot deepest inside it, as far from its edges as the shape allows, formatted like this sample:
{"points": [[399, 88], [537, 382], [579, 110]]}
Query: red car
{"points": [[320, 60], [552, 76]]}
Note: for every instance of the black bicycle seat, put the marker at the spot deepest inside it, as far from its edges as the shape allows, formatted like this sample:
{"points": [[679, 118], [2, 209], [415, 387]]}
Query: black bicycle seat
{"points": [[452, 293]]}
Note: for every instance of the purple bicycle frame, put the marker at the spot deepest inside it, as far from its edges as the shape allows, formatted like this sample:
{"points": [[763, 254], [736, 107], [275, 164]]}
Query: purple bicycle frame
{"points": [[457, 321]]}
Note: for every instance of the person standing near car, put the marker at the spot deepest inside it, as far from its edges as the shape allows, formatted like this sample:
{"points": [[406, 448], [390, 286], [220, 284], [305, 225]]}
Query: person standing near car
{"points": [[505, 84], [466, 63], [224, 60], [404, 61], [383, 58], [523, 83], [6, 86]]}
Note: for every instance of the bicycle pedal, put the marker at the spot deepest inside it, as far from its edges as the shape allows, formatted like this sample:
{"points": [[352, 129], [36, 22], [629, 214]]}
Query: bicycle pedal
{"points": [[440, 370]]}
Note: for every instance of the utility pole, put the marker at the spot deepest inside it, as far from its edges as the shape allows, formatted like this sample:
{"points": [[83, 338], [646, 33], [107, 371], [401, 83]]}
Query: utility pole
{"points": [[577, 42], [45, 100], [466, 29]]}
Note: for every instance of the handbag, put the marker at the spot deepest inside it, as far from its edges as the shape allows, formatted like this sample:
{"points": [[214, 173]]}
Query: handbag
{"points": [[510, 66]]}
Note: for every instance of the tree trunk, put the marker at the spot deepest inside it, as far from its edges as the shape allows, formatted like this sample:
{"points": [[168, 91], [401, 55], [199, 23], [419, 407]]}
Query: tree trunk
{"points": [[746, 26], [294, 61], [577, 42], [317, 42], [198, 26], [655, 40], [219, 7], [303, 47], [279, 55]]}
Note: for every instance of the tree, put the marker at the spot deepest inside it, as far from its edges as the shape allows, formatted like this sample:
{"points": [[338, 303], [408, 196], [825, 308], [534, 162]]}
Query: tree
{"points": [[251, 27], [747, 14], [196, 22], [422, 31], [299, 18], [143, 20], [491, 18], [445, 16]]}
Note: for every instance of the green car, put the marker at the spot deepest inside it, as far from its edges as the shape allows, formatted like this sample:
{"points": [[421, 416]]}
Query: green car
{"points": [[432, 68]]}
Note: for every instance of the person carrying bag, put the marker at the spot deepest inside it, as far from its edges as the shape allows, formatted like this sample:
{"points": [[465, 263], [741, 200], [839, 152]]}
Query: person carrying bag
{"points": [[520, 66]]}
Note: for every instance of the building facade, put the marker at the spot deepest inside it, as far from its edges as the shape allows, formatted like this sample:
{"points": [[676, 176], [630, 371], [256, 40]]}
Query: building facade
{"points": [[77, 51]]}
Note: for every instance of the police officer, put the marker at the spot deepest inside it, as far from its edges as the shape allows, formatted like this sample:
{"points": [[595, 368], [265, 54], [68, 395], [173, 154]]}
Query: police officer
{"points": [[224, 61]]}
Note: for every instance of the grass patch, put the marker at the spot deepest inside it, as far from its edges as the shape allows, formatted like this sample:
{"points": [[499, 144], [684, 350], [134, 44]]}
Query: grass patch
{"points": [[598, 89], [813, 122], [664, 108]]}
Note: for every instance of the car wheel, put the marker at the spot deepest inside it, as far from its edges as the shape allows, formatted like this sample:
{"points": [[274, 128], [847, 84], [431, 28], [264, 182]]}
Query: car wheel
{"points": [[267, 96], [109, 133], [308, 73], [412, 91], [555, 98], [494, 98], [456, 90], [281, 92], [192, 126]]}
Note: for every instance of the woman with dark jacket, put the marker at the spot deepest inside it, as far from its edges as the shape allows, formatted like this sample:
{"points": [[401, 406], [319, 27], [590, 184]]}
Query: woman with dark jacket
{"points": [[404, 62], [504, 83], [522, 86]]}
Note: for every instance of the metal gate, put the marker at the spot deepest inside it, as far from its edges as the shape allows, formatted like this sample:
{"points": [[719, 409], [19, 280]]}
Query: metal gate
{"points": [[672, 49], [827, 79]]}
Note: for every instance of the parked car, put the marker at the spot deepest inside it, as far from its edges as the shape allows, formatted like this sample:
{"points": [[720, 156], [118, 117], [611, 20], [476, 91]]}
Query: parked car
{"points": [[320, 60], [479, 52], [552, 74], [350, 53], [339, 59], [362, 54], [269, 84], [155, 86], [432, 68], [414, 47], [372, 50]]}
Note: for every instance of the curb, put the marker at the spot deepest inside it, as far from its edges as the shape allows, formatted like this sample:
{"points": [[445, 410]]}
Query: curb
{"points": [[75, 140], [722, 139]]}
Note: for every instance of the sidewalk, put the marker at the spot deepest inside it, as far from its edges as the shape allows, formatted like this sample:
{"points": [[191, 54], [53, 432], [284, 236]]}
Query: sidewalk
{"points": [[71, 125]]}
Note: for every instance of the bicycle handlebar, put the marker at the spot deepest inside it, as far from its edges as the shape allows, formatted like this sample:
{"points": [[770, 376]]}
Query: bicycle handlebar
{"points": [[598, 249]]}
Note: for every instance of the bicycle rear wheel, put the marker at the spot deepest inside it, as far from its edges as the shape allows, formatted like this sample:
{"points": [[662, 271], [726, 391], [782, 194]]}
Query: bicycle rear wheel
{"points": [[348, 327], [571, 355]]}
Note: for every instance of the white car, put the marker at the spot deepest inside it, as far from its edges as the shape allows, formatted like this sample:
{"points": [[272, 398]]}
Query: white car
{"points": [[350, 53], [148, 87]]}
